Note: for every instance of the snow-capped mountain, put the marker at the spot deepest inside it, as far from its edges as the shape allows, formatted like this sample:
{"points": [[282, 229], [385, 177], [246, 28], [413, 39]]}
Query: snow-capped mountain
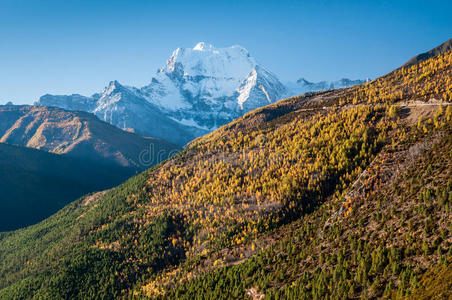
{"points": [[302, 86], [207, 87], [127, 109], [196, 91]]}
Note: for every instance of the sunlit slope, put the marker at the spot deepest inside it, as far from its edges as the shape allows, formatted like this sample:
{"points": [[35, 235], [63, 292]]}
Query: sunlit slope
{"points": [[315, 195], [78, 134], [374, 239]]}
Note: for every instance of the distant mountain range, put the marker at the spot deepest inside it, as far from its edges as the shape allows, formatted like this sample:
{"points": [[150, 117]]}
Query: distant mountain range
{"points": [[302, 86], [198, 90]]}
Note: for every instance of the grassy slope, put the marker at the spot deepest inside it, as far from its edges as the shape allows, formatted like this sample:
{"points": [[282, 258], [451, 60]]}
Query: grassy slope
{"points": [[246, 208]]}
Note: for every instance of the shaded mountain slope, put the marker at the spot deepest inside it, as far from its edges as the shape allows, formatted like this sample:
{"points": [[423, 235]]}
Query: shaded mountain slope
{"points": [[36, 184], [79, 134], [341, 194]]}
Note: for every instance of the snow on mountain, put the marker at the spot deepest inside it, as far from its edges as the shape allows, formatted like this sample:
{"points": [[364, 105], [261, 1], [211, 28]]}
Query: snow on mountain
{"points": [[259, 88], [302, 86], [70, 102], [124, 107], [196, 91], [208, 87]]}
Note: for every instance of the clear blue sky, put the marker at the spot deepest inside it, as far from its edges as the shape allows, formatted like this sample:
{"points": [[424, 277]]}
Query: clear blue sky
{"points": [[66, 46]]}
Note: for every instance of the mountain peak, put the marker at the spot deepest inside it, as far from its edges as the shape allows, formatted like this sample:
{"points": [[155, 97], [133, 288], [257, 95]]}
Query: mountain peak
{"points": [[302, 80], [205, 60], [113, 86], [203, 46]]}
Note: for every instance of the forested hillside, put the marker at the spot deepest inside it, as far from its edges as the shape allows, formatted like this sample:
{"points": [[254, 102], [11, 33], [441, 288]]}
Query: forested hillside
{"points": [[92, 156], [340, 194], [35, 184]]}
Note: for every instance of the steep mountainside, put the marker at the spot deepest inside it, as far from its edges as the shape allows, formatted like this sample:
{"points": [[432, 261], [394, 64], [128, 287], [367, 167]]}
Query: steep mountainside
{"points": [[79, 134], [35, 184], [338, 194]]}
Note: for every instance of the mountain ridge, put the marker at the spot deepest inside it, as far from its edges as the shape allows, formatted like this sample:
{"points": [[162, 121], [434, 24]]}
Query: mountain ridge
{"points": [[198, 90], [78, 134], [302, 86]]}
